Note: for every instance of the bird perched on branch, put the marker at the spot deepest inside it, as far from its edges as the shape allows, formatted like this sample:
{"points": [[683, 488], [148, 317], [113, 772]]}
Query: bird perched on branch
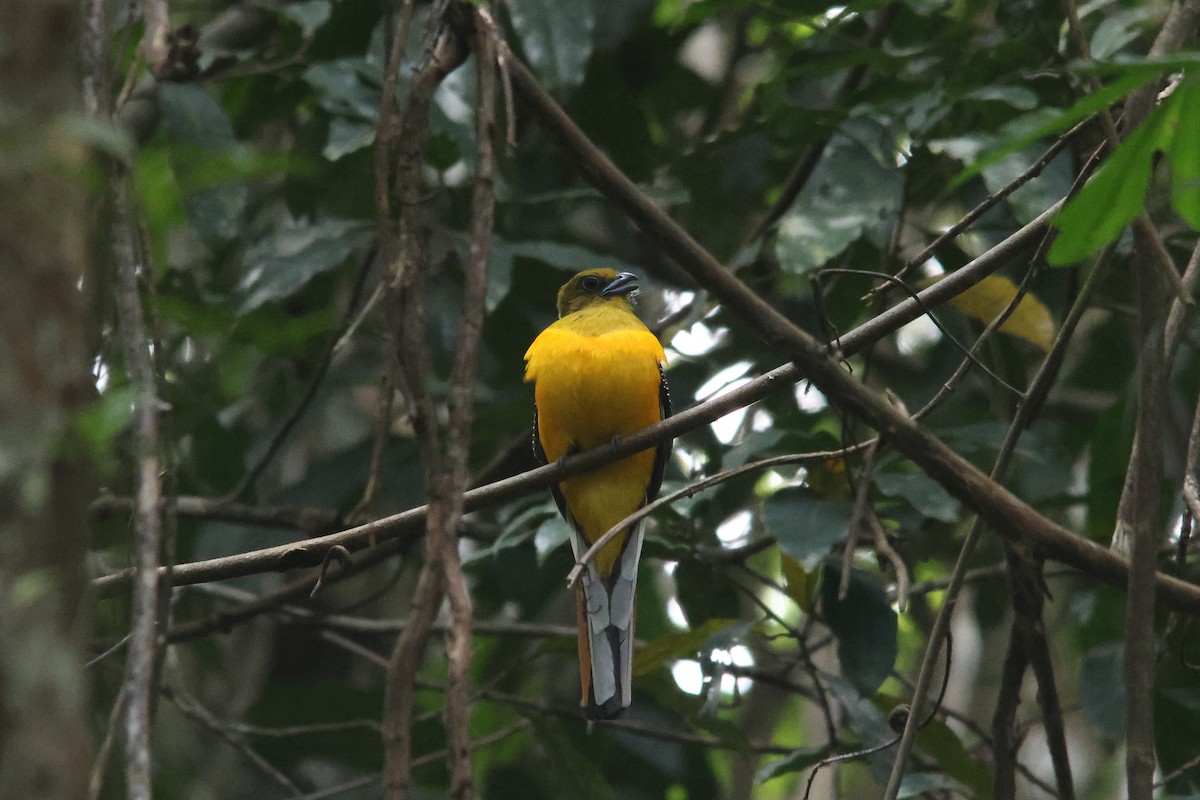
{"points": [[598, 376]]}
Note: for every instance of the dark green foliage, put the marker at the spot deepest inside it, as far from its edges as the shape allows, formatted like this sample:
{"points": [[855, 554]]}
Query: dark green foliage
{"points": [[257, 193]]}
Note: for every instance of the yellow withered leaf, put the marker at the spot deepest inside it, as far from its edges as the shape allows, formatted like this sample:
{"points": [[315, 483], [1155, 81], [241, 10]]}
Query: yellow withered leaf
{"points": [[1030, 320]]}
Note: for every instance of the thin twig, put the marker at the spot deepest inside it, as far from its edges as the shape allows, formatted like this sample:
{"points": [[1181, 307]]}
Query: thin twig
{"points": [[969, 353], [884, 548], [456, 709], [698, 486], [124, 640], [306, 519], [806, 663], [1052, 713], [285, 430], [1191, 763], [193, 710], [383, 427], [252, 606], [910, 721], [143, 640], [429, 758], [100, 762], [360, 625], [862, 494]]}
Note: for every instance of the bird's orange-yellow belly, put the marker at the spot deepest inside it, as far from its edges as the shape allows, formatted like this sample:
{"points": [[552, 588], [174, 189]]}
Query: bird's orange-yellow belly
{"points": [[594, 389]]}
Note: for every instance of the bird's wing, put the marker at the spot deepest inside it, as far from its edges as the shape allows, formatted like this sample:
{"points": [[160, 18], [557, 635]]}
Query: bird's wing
{"points": [[539, 453]]}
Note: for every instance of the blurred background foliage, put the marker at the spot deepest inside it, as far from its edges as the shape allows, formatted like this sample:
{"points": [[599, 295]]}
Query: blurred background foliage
{"points": [[256, 190]]}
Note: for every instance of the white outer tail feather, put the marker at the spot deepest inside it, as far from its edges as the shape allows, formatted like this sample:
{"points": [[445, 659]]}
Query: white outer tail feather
{"points": [[607, 609]]}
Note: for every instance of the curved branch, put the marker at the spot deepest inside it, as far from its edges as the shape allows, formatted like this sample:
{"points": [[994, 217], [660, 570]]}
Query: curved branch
{"points": [[1002, 510]]}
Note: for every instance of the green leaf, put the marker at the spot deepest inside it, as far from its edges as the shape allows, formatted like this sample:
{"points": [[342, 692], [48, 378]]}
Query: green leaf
{"points": [[1041, 123], [1115, 194], [516, 531], [568, 258], [915, 784], [852, 192], [804, 525], [677, 644], [1185, 153], [1119, 28], [865, 626], [196, 123], [921, 492], [347, 136], [288, 259], [346, 86], [308, 14], [556, 36], [1016, 96], [573, 770], [1102, 689], [101, 421], [866, 722], [800, 759]]}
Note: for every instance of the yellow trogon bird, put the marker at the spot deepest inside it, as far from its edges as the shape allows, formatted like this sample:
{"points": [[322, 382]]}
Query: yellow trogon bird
{"points": [[598, 376]]}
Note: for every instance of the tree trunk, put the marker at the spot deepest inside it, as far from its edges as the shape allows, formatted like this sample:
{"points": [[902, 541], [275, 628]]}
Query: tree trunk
{"points": [[45, 745]]}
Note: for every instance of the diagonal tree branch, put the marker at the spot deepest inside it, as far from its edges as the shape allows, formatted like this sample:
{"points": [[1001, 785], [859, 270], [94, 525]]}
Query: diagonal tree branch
{"points": [[999, 508]]}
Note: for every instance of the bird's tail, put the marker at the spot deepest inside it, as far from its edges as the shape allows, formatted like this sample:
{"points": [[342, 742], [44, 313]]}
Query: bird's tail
{"points": [[605, 613]]}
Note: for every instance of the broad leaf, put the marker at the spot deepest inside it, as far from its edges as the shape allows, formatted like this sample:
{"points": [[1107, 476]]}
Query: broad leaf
{"points": [[196, 125], [804, 525], [556, 36], [284, 262], [852, 192], [865, 626], [347, 136], [1115, 194], [1102, 689], [308, 14], [801, 759], [347, 86], [1041, 123], [1030, 320], [921, 492]]}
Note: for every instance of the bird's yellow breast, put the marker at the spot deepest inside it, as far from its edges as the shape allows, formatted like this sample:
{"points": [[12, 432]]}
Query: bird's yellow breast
{"points": [[596, 375]]}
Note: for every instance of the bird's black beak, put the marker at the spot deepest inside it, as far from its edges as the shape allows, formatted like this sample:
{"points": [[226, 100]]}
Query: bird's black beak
{"points": [[625, 283]]}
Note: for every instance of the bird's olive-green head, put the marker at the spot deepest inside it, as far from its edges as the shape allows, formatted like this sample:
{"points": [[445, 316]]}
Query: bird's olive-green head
{"points": [[595, 286]]}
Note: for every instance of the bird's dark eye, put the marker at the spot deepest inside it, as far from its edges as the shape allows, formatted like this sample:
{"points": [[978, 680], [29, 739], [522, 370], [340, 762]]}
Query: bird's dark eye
{"points": [[590, 284]]}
